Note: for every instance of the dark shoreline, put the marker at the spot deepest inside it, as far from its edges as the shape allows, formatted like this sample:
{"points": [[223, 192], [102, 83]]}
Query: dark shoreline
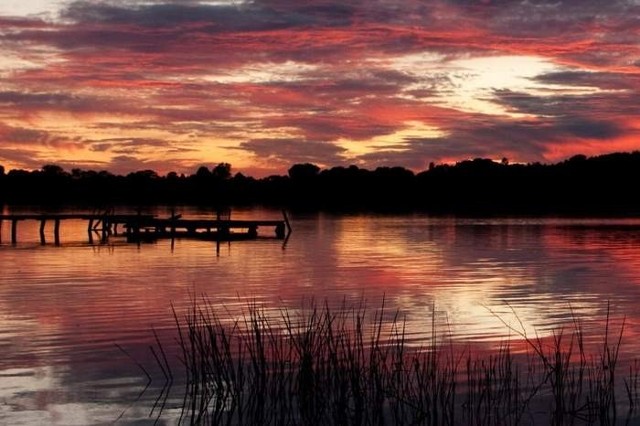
{"points": [[580, 186]]}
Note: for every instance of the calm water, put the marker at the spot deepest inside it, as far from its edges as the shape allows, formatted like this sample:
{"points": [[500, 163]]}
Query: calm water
{"points": [[64, 309]]}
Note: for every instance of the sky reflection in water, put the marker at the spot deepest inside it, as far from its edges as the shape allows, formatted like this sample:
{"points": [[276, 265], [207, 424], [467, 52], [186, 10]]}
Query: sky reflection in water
{"points": [[65, 309]]}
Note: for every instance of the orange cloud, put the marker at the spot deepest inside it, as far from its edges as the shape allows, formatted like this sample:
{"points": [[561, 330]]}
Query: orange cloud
{"points": [[210, 79]]}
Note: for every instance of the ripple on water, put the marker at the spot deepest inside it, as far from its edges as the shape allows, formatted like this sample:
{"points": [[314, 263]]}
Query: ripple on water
{"points": [[64, 309]]}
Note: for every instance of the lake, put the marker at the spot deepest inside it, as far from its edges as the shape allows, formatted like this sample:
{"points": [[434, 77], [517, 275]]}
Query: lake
{"points": [[69, 313]]}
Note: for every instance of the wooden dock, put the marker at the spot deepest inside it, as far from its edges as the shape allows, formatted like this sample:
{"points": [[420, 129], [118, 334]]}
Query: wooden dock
{"points": [[139, 227], [206, 229]]}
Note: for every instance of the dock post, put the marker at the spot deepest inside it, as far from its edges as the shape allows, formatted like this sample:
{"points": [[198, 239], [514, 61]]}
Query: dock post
{"points": [[56, 232], [90, 230], [172, 229], [43, 240], [105, 229], [286, 222], [253, 232], [14, 231]]}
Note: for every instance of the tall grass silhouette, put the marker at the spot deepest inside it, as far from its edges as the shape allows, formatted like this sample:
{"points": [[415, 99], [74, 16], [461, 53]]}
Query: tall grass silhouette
{"points": [[350, 365]]}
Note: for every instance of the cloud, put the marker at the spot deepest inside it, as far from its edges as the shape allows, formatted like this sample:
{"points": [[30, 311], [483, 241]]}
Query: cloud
{"points": [[128, 163], [602, 80], [128, 145], [124, 164], [289, 151], [152, 82], [28, 102], [20, 156], [34, 138], [587, 128], [254, 16], [552, 124], [24, 99]]}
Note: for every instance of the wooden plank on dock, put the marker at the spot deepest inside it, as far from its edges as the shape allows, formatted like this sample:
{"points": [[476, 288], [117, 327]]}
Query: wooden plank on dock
{"points": [[120, 218]]}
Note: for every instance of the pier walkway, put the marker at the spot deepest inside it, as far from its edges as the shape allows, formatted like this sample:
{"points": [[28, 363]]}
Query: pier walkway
{"points": [[139, 227]]}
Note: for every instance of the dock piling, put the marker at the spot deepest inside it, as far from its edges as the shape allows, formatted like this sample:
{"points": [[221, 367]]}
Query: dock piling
{"points": [[105, 229], [90, 230], [43, 240], [286, 222], [14, 231], [56, 232]]}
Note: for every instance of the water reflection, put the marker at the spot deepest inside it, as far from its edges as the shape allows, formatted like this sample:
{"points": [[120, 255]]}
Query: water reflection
{"points": [[64, 308]]}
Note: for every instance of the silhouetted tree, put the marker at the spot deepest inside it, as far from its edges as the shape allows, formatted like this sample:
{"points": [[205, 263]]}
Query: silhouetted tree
{"points": [[304, 171], [53, 170], [579, 185], [19, 174], [143, 175], [577, 158], [222, 171], [203, 172]]}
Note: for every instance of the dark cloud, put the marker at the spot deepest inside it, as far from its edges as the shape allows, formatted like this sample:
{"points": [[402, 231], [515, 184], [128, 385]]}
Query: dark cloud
{"points": [[587, 109], [22, 98], [417, 153], [213, 18], [519, 140], [26, 136], [128, 163], [33, 138], [123, 164], [551, 18], [291, 151], [334, 127], [85, 40], [51, 101], [601, 80], [20, 155], [128, 145], [587, 128]]}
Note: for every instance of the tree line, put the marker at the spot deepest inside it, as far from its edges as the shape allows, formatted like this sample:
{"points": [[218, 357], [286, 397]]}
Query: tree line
{"points": [[603, 184]]}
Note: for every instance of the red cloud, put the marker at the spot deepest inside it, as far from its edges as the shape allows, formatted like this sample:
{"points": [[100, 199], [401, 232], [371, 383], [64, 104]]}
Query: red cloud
{"points": [[324, 73]]}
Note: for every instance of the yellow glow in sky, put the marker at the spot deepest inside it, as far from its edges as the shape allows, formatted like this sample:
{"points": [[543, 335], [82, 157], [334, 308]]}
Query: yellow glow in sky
{"points": [[412, 130], [469, 84], [264, 73], [29, 7]]}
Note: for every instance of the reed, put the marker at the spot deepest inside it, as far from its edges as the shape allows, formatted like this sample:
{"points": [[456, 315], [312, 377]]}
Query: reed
{"points": [[353, 366]]}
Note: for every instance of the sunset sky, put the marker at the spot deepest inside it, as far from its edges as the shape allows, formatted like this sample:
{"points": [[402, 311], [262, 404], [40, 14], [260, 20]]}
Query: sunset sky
{"points": [[171, 85]]}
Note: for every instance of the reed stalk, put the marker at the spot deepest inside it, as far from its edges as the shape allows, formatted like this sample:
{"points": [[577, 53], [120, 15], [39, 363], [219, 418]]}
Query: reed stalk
{"points": [[352, 366]]}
